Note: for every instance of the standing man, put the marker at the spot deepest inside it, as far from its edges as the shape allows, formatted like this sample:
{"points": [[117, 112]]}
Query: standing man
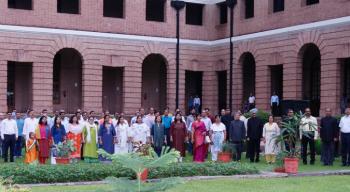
{"points": [[150, 117], [345, 137], [226, 119], [329, 134], [166, 121], [30, 124], [189, 120], [254, 136], [308, 135], [251, 101], [206, 120], [9, 134], [190, 103], [275, 102], [197, 103], [289, 118], [20, 140], [236, 136]]}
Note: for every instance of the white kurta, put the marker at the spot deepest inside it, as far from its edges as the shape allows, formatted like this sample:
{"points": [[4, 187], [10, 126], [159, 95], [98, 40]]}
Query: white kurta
{"points": [[270, 132], [122, 131]]}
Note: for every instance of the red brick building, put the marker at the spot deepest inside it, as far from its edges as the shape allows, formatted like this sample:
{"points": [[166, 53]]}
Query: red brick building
{"points": [[120, 55]]}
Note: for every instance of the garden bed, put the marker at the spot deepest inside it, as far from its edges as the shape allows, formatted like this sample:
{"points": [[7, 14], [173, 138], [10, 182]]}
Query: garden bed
{"points": [[24, 174]]}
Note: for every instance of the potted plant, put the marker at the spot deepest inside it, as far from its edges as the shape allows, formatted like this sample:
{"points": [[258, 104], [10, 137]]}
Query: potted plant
{"points": [[290, 135], [279, 166], [63, 151], [138, 162], [225, 155]]}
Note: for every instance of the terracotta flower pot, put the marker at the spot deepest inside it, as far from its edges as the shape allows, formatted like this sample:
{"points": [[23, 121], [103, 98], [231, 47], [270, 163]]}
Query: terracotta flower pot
{"points": [[291, 165], [225, 157], [279, 170], [62, 160], [144, 175]]}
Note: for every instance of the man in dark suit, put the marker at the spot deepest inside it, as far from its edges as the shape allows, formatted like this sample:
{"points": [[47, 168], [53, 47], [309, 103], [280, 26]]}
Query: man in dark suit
{"points": [[329, 133], [254, 135]]}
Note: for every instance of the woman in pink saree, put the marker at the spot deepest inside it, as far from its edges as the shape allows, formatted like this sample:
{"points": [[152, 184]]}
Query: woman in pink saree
{"points": [[198, 138]]}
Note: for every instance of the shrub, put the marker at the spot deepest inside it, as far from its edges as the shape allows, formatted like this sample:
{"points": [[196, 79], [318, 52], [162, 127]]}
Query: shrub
{"points": [[26, 174]]}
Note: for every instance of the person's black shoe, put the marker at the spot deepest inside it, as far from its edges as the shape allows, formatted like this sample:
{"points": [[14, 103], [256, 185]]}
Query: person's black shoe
{"points": [[305, 162], [257, 160], [343, 165], [312, 162]]}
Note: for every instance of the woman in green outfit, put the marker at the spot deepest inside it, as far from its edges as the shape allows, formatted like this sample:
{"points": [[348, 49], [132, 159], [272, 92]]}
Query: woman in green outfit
{"points": [[90, 140]]}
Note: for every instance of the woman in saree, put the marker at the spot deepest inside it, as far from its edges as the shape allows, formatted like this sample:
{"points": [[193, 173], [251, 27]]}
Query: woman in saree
{"points": [[198, 139], [107, 137], [43, 135], [122, 130], [90, 139], [75, 135]]}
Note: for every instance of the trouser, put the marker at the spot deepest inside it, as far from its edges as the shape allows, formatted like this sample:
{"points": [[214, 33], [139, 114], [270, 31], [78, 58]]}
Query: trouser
{"points": [[275, 111], [167, 133], [345, 148], [9, 143], [214, 154], [237, 149], [270, 158], [251, 106], [254, 149], [82, 152], [19, 146], [158, 150], [197, 108], [327, 152], [305, 141], [336, 148], [189, 146], [289, 148]]}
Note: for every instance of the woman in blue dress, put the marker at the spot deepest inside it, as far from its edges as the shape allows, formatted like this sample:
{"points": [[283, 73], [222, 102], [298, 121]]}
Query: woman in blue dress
{"points": [[107, 136]]}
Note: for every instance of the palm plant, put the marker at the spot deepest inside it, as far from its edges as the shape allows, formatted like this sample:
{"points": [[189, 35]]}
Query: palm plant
{"points": [[290, 134], [137, 162], [6, 185]]}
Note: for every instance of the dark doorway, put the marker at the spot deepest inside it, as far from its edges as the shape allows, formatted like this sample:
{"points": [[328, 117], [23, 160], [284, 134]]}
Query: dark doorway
{"points": [[193, 87], [113, 8], [154, 82], [222, 89], [68, 6], [155, 10], [311, 59], [67, 80], [277, 83], [20, 4], [112, 89], [345, 84], [19, 86], [248, 70]]}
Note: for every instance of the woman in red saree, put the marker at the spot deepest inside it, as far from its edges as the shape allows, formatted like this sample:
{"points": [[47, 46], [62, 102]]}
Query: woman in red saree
{"points": [[198, 138]]}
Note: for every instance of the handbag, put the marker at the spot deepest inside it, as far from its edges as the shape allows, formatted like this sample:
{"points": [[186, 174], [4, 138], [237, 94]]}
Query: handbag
{"points": [[207, 139]]}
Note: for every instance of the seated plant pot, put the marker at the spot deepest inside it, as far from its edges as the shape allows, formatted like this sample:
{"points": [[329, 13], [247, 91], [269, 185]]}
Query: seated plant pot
{"points": [[291, 165], [279, 170], [62, 160], [144, 175], [225, 157]]}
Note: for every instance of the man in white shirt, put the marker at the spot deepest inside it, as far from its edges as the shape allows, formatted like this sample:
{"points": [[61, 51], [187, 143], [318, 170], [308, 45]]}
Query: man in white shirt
{"points": [[64, 120], [308, 134], [251, 101], [345, 137], [274, 104], [149, 119], [197, 103], [206, 120], [9, 134], [30, 124]]}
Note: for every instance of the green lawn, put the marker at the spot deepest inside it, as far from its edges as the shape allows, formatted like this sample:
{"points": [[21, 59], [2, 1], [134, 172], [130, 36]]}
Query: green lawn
{"points": [[300, 184]]}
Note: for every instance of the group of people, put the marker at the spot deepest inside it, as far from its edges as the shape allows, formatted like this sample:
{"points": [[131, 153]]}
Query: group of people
{"points": [[198, 133]]}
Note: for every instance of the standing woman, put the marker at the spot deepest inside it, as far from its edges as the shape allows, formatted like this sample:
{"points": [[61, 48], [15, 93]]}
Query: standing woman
{"points": [[107, 136], [43, 135], [58, 133], [158, 135], [218, 136], [122, 131], [178, 135], [140, 132], [90, 140], [75, 134], [198, 139], [270, 131]]}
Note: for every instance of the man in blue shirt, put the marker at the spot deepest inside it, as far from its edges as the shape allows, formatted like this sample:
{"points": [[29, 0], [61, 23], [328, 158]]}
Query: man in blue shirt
{"points": [[20, 140], [166, 121]]}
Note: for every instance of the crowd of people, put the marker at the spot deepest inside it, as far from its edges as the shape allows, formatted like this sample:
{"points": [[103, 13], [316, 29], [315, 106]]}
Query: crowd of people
{"points": [[197, 134]]}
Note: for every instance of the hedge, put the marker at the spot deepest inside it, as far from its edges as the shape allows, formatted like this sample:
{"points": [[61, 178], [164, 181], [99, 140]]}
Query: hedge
{"points": [[25, 174]]}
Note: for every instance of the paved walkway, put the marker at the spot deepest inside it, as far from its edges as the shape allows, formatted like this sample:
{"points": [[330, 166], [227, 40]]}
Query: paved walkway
{"points": [[262, 175]]}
